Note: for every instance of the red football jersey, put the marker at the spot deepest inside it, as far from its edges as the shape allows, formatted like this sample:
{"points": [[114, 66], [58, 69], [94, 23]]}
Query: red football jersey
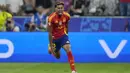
{"points": [[58, 24]]}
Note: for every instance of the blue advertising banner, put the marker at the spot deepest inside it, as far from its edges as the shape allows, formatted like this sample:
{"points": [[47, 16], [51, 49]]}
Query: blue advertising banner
{"points": [[90, 47], [88, 24], [98, 24]]}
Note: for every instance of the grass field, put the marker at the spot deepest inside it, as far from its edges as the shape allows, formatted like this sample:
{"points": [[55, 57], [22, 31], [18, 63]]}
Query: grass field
{"points": [[64, 68]]}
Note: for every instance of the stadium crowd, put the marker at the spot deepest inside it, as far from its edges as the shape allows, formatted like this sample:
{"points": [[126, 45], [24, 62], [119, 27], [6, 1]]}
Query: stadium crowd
{"points": [[74, 7], [40, 9]]}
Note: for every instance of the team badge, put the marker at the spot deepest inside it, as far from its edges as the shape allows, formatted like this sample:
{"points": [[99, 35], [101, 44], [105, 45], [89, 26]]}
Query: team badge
{"points": [[60, 22]]}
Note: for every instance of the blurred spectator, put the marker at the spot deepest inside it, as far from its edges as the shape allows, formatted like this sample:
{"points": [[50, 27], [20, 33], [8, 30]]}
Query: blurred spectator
{"points": [[117, 10], [47, 4], [86, 8], [39, 18], [4, 17], [111, 6], [93, 5], [29, 7], [127, 26], [14, 6], [100, 10], [103, 7], [67, 4], [77, 8], [125, 7], [11, 27], [96, 7], [30, 27]]}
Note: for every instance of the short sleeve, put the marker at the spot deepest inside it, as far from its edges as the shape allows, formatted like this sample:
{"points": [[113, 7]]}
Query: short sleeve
{"points": [[50, 19], [67, 15]]}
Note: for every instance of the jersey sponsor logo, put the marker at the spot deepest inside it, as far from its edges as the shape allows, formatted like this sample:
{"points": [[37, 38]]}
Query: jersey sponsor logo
{"points": [[10, 51], [108, 51]]}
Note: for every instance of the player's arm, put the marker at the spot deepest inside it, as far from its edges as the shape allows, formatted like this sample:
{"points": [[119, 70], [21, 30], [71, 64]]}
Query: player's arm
{"points": [[67, 27], [68, 19], [50, 33], [49, 28]]}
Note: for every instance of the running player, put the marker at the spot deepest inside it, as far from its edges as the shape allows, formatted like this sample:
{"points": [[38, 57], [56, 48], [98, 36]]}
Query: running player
{"points": [[58, 34]]}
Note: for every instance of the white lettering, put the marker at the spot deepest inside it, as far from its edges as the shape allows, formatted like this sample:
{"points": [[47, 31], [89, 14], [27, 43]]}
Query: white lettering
{"points": [[108, 50], [10, 51]]}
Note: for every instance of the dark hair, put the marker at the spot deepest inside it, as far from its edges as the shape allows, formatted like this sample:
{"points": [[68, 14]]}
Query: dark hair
{"points": [[59, 3]]}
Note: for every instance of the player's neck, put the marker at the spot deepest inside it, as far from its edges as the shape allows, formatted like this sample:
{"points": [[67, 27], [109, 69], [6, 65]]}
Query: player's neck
{"points": [[59, 15]]}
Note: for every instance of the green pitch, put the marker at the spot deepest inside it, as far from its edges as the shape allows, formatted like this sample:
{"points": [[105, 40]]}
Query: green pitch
{"points": [[64, 68]]}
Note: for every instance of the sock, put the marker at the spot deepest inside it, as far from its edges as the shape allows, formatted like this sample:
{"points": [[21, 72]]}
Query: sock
{"points": [[71, 60]]}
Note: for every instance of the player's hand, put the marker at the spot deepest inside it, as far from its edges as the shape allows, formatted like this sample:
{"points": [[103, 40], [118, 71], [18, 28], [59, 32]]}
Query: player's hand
{"points": [[51, 49], [52, 46]]}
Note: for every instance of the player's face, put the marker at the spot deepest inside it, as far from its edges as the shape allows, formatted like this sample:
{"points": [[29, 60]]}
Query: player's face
{"points": [[60, 9]]}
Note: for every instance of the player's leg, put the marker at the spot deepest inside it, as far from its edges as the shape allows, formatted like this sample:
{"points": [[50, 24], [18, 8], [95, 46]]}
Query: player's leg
{"points": [[56, 50], [67, 47]]}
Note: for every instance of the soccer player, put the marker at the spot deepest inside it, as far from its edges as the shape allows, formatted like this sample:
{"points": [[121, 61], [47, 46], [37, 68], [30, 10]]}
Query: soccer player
{"points": [[58, 34]]}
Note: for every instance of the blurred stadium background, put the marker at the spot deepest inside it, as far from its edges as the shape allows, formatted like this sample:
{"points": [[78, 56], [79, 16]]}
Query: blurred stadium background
{"points": [[98, 31]]}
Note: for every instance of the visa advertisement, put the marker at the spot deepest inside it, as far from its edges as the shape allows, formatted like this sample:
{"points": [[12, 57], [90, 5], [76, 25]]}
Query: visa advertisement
{"points": [[88, 24], [86, 47]]}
